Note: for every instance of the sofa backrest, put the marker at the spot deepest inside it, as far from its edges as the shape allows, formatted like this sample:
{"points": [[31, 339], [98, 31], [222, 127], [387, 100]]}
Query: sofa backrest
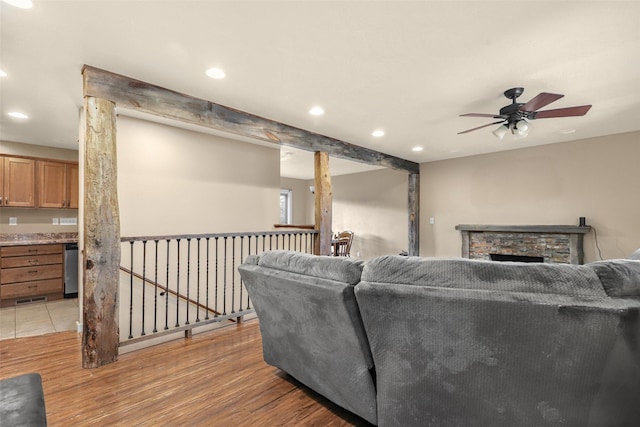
{"points": [[311, 325], [619, 277], [561, 279], [461, 342]]}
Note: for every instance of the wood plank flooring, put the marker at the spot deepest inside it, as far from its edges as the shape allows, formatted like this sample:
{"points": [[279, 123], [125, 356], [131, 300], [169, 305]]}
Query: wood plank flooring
{"points": [[216, 378]]}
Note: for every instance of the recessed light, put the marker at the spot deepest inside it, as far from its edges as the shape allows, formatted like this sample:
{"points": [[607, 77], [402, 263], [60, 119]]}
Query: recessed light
{"points": [[316, 111], [18, 115], [417, 149], [216, 73], [23, 4], [568, 131], [3, 73], [377, 133]]}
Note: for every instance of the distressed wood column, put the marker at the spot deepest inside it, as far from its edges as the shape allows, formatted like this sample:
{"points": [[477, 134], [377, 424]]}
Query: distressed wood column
{"points": [[414, 214], [323, 203], [101, 236]]}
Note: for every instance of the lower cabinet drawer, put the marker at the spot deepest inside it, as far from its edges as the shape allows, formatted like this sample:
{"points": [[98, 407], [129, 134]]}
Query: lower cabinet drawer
{"points": [[29, 274], [27, 289], [30, 261]]}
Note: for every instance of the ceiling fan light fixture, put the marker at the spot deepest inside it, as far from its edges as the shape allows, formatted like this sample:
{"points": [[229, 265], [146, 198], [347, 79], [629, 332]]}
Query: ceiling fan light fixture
{"points": [[501, 131], [521, 129]]}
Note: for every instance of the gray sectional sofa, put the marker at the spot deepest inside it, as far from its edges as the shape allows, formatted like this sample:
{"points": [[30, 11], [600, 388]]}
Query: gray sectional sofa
{"points": [[408, 341]]}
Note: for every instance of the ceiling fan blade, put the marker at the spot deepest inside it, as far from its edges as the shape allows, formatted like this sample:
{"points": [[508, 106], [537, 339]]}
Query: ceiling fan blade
{"points": [[480, 127], [480, 115], [540, 100], [562, 112]]}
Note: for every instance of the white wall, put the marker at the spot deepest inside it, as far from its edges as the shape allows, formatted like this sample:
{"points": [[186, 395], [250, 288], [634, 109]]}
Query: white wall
{"points": [[175, 181], [597, 178]]}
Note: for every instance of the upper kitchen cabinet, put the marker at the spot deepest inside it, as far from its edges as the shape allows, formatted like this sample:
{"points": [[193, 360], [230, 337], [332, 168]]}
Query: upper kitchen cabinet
{"points": [[57, 184], [18, 182]]}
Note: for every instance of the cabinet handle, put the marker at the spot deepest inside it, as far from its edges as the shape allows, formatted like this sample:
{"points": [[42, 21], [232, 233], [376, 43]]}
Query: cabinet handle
{"points": [[32, 251], [33, 262], [32, 286], [33, 272]]}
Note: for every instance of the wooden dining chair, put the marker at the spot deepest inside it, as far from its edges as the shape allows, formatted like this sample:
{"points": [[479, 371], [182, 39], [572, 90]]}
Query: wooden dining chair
{"points": [[342, 243]]}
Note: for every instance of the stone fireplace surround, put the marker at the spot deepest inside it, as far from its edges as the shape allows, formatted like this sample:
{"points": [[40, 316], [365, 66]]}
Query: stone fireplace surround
{"points": [[553, 243]]}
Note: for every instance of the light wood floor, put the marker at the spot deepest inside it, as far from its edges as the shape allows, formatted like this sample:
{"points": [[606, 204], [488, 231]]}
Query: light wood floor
{"points": [[216, 378]]}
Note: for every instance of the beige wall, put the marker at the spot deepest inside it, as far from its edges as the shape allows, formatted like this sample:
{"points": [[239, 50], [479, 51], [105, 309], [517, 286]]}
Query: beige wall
{"points": [[371, 204], [302, 200], [596, 178], [175, 181], [19, 149], [374, 206], [31, 220]]}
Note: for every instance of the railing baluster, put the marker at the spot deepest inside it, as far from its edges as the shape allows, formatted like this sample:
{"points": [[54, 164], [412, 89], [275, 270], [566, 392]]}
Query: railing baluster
{"points": [[224, 287], [144, 281], [155, 291], [131, 292], [198, 285], [233, 273], [206, 316], [178, 287], [166, 292], [241, 260], [188, 276], [216, 296]]}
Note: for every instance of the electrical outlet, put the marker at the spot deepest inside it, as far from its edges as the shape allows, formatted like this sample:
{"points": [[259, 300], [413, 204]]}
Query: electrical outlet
{"points": [[13, 220], [432, 220], [55, 221]]}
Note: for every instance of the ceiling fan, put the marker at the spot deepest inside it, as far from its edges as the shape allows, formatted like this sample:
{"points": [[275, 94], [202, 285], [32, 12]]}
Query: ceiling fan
{"points": [[513, 117]]}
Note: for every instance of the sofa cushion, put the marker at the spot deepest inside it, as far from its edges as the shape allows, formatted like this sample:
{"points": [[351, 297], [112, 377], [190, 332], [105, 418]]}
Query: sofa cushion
{"points": [[22, 401], [339, 269], [562, 279], [619, 277]]}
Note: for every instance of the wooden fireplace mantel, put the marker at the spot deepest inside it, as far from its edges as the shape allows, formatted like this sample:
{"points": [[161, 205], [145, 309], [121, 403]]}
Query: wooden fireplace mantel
{"points": [[512, 239]]}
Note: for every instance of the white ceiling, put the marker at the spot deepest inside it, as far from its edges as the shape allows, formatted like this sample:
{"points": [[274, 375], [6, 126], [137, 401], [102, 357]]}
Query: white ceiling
{"points": [[407, 67]]}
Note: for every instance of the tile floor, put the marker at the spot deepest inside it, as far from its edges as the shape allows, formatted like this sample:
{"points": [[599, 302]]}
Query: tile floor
{"points": [[38, 318]]}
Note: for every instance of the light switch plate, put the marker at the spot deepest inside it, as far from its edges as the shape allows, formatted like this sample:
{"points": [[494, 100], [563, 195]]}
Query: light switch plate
{"points": [[13, 220], [55, 221], [68, 221]]}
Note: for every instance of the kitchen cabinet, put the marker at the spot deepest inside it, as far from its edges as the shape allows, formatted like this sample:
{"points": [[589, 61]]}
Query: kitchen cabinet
{"points": [[57, 184], [18, 181], [30, 273]]}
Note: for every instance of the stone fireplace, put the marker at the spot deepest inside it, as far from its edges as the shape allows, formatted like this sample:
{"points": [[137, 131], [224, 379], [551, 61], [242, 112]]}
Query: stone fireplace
{"points": [[549, 243]]}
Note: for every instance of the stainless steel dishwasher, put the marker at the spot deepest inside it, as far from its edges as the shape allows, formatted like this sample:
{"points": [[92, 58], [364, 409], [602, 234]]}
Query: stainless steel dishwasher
{"points": [[71, 270]]}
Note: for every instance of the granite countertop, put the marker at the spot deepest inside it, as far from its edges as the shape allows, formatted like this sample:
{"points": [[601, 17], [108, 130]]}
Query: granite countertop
{"points": [[18, 239]]}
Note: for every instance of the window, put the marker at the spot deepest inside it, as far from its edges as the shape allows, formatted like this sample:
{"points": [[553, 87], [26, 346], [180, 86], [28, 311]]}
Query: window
{"points": [[285, 206]]}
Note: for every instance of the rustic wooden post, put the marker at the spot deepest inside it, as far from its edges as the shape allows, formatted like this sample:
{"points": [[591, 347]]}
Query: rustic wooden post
{"points": [[101, 236], [323, 201], [414, 214]]}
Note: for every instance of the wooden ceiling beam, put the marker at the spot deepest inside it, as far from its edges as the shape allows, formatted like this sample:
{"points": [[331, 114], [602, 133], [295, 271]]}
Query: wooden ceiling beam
{"points": [[145, 97]]}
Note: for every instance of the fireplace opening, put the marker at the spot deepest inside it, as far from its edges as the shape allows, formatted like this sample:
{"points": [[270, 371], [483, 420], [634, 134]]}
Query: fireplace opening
{"points": [[515, 258]]}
